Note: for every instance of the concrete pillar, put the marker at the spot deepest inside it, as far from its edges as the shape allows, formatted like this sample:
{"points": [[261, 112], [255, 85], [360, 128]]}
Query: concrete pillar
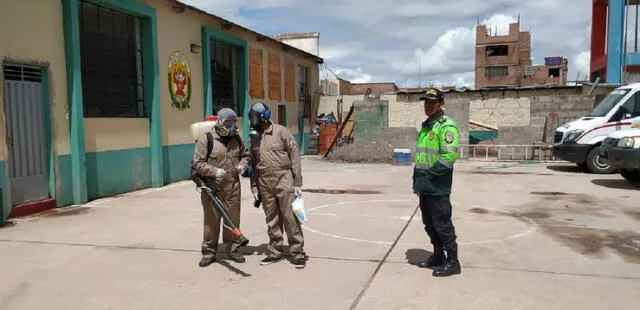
{"points": [[615, 48]]}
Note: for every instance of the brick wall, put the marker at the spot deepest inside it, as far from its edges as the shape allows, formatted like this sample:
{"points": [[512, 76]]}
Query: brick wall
{"points": [[519, 55]]}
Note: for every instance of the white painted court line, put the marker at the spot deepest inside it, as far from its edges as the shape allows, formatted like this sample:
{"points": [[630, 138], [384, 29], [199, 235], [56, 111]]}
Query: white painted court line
{"points": [[532, 225]]}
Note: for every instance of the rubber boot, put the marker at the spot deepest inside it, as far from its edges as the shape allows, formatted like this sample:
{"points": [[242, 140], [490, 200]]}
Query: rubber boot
{"points": [[436, 259], [207, 260], [234, 254], [451, 265]]}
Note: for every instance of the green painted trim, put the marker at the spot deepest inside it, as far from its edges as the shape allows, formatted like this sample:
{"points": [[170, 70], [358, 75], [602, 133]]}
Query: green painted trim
{"points": [[106, 177], [302, 137], [176, 166], [74, 93], [244, 89], [152, 97], [127, 6], [64, 189], [206, 74], [209, 34], [151, 86], [282, 114], [302, 142], [151, 69], [5, 203], [48, 137]]}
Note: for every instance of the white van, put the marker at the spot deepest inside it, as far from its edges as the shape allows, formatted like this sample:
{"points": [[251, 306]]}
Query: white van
{"points": [[622, 150], [579, 141]]}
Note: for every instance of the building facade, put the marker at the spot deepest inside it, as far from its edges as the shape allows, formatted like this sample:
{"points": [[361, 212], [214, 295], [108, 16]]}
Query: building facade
{"points": [[306, 41], [614, 59], [98, 95], [505, 61]]}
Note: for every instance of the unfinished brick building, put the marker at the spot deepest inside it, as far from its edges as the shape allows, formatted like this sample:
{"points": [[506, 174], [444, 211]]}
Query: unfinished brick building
{"points": [[505, 61]]}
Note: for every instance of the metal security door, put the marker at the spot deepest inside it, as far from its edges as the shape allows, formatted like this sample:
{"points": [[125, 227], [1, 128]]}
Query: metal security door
{"points": [[26, 142]]}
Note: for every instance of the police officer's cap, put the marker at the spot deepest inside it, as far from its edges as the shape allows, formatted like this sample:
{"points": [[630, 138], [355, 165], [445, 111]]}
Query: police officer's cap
{"points": [[433, 94]]}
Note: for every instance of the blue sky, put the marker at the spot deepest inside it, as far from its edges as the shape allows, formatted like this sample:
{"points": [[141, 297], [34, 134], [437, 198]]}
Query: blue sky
{"points": [[386, 42]]}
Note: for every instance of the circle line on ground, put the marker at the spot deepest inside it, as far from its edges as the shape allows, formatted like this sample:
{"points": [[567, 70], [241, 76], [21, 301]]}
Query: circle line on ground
{"points": [[532, 225]]}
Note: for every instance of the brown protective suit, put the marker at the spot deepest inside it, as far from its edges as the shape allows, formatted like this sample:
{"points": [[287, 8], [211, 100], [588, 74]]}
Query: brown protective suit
{"points": [[275, 158], [227, 156]]}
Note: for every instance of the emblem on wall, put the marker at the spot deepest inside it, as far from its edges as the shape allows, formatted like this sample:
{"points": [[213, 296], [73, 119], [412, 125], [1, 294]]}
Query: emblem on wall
{"points": [[179, 80]]}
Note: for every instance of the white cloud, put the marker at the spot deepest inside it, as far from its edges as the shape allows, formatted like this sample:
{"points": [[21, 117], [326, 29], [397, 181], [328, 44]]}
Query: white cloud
{"points": [[498, 24], [453, 52], [335, 52], [581, 64], [354, 75], [383, 42]]}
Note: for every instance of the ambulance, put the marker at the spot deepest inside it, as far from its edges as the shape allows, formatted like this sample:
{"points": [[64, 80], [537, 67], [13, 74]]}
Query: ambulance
{"points": [[579, 141]]}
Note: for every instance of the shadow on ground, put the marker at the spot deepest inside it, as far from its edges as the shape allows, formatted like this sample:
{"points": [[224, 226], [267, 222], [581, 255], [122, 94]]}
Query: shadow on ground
{"points": [[568, 169], [246, 250], [416, 256], [616, 184]]}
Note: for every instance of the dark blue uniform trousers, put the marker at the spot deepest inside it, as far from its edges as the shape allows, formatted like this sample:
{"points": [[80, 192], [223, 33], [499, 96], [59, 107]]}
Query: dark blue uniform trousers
{"points": [[436, 217]]}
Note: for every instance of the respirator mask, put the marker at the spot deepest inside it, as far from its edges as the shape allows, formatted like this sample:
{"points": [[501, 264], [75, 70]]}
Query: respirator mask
{"points": [[227, 131], [258, 114], [226, 125]]}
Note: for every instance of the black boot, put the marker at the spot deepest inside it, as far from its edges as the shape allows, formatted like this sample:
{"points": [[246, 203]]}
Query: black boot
{"points": [[451, 265], [234, 254], [236, 257], [207, 260], [437, 259]]}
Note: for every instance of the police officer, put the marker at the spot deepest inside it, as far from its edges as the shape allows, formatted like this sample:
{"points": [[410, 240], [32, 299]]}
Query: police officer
{"points": [[221, 170], [436, 152], [276, 180]]}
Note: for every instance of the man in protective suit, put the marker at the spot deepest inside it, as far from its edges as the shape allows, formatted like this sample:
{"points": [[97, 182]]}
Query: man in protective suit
{"points": [[228, 159], [276, 180]]}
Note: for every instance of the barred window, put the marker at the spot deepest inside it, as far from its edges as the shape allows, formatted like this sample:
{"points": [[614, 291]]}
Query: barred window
{"points": [[111, 60], [224, 76], [304, 99], [496, 71]]}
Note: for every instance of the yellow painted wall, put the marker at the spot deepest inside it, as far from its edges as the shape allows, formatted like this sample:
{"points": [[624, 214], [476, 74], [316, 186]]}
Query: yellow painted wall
{"points": [[32, 33], [108, 134], [177, 32]]}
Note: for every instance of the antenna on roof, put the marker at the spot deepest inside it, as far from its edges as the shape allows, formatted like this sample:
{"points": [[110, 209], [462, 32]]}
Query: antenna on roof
{"points": [[518, 18]]}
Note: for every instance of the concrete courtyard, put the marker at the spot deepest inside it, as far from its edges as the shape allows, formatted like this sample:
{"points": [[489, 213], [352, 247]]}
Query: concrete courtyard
{"points": [[536, 236]]}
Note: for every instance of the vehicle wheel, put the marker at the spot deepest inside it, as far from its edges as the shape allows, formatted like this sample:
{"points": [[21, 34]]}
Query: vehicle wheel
{"points": [[631, 175], [598, 164]]}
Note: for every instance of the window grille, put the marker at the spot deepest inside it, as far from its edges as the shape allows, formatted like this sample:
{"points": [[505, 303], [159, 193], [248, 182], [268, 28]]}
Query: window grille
{"points": [[496, 71], [22, 73], [112, 63], [304, 98], [224, 76]]}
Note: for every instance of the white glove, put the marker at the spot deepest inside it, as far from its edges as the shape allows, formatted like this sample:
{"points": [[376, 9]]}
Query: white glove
{"points": [[240, 169], [297, 191], [220, 173]]}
